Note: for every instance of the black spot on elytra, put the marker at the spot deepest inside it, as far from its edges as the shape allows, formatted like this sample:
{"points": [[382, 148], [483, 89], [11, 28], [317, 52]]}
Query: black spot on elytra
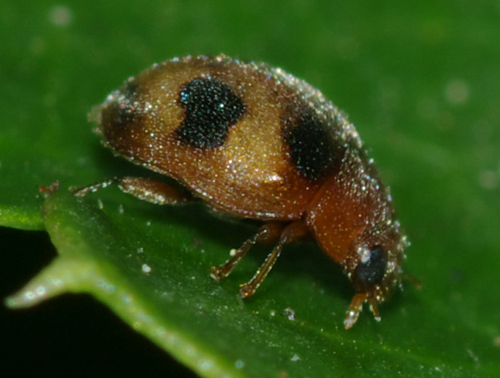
{"points": [[312, 149], [371, 272], [211, 108]]}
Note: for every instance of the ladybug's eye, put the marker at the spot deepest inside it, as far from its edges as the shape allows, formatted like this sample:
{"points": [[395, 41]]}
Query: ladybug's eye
{"points": [[371, 269]]}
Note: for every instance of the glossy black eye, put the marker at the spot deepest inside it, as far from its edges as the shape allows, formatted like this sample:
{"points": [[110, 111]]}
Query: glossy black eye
{"points": [[371, 271]]}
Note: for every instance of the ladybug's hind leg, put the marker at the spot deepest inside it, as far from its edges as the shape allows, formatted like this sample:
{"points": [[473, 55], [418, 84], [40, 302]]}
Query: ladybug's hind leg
{"points": [[269, 232], [142, 188]]}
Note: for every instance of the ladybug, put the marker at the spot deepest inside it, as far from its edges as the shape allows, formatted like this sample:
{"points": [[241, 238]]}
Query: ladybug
{"points": [[255, 142]]}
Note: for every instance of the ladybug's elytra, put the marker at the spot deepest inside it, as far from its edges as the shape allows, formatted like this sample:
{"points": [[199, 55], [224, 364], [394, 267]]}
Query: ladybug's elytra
{"points": [[256, 142]]}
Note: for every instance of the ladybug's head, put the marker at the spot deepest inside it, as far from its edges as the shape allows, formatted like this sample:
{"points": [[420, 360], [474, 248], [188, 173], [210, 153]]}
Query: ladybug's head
{"points": [[374, 266]]}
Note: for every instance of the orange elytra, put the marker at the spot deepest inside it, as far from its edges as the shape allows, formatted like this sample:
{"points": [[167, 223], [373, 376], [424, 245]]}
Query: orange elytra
{"points": [[256, 142]]}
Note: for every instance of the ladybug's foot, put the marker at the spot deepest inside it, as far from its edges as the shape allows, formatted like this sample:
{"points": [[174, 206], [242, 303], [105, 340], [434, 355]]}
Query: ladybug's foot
{"points": [[354, 309], [357, 306]]}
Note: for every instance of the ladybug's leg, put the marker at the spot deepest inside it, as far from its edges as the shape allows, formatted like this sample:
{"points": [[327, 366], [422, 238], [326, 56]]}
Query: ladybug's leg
{"points": [[291, 233], [268, 233], [357, 306], [145, 189]]}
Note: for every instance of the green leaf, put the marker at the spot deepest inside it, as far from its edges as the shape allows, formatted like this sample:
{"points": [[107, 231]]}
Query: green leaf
{"points": [[421, 82]]}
